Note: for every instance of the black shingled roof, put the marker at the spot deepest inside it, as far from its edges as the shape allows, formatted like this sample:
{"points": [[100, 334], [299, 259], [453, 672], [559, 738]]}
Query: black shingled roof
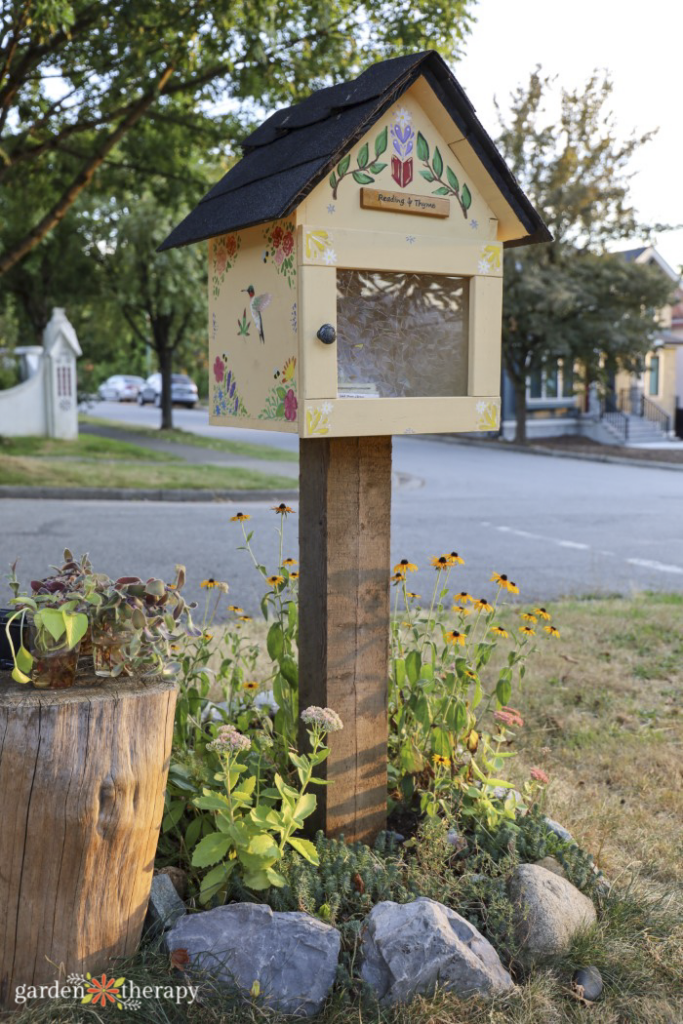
{"points": [[295, 148]]}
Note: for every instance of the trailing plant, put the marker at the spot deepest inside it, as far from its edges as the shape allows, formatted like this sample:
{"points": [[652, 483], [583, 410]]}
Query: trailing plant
{"points": [[366, 170], [434, 170]]}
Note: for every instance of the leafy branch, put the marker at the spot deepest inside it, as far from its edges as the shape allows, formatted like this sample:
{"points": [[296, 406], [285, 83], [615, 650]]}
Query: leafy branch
{"points": [[434, 171], [363, 175]]}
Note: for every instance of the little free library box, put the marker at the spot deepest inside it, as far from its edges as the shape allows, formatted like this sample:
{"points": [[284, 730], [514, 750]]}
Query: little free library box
{"points": [[355, 292]]}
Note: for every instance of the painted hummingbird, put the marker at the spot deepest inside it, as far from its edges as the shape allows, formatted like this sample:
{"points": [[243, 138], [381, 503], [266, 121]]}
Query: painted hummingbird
{"points": [[257, 304]]}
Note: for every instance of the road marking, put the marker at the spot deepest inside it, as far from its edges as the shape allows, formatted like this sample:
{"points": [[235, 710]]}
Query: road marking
{"points": [[645, 563], [573, 544]]}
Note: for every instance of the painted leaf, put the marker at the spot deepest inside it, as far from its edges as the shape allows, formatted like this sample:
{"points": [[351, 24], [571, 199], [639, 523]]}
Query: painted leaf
{"points": [[452, 180], [443, 191], [376, 168], [427, 175], [362, 178], [422, 147], [381, 142], [333, 180], [437, 163], [466, 197], [363, 155], [343, 165]]}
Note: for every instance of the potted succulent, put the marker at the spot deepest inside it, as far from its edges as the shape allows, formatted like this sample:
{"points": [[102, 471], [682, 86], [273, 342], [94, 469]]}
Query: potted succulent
{"points": [[116, 626]]}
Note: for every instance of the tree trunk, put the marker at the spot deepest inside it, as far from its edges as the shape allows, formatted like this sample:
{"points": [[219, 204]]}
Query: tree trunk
{"points": [[165, 353], [344, 528], [82, 778], [520, 412]]}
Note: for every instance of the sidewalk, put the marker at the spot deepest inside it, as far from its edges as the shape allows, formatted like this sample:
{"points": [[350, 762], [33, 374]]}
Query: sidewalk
{"points": [[645, 458]]}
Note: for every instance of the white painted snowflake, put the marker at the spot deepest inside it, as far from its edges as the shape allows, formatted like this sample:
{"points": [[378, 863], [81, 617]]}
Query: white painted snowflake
{"points": [[331, 208], [329, 257], [409, 430], [474, 224], [326, 408], [410, 239], [481, 407], [403, 117]]}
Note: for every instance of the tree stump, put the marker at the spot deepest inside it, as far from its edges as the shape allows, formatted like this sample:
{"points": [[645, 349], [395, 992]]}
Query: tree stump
{"points": [[344, 533], [82, 778]]}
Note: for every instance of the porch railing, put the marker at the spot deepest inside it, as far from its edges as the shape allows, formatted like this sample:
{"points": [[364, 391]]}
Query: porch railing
{"points": [[636, 403], [611, 414]]}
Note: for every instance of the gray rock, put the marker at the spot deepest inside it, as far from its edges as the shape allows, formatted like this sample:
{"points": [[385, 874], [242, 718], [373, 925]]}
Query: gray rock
{"points": [[559, 830], [549, 910], [550, 864], [587, 983], [165, 906], [454, 839], [292, 956], [409, 948]]}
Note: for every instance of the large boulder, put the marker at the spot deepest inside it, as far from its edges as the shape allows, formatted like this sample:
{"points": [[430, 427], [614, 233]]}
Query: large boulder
{"points": [[410, 948], [292, 957], [549, 910]]}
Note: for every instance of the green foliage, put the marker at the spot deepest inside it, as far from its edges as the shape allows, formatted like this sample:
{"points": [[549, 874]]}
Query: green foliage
{"points": [[568, 299]]}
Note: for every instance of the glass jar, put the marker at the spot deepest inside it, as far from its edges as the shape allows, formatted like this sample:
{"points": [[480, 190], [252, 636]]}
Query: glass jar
{"points": [[54, 666]]}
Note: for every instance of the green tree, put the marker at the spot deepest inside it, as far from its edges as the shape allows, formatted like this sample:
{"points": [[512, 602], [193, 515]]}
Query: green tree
{"points": [[568, 299], [160, 296], [86, 84]]}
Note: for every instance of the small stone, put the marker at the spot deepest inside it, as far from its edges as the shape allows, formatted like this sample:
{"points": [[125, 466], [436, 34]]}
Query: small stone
{"points": [[409, 948], [559, 830], [165, 906], [549, 910], [454, 839], [550, 864], [292, 957], [587, 983]]}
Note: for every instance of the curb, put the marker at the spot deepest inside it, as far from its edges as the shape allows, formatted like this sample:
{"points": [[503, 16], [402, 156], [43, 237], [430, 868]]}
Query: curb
{"points": [[508, 446], [142, 494]]}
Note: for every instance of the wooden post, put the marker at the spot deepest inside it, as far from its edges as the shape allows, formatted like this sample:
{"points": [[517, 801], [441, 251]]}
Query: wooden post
{"points": [[82, 777], [344, 533]]}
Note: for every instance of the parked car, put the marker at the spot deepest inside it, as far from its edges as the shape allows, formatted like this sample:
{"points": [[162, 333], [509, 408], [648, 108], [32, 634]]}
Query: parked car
{"points": [[183, 390], [120, 388]]}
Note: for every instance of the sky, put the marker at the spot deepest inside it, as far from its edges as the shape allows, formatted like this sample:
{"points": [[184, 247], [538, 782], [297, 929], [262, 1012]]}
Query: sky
{"points": [[640, 44]]}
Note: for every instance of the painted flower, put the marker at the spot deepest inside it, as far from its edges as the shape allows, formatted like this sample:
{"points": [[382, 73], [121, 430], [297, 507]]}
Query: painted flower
{"points": [[287, 243], [231, 245], [276, 237], [220, 261], [326, 408], [278, 257], [403, 117], [288, 369], [329, 257], [291, 405], [218, 370]]}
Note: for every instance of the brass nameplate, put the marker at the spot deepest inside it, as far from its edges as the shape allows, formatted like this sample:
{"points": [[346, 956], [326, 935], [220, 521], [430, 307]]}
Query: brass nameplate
{"points": [[404, 202]]}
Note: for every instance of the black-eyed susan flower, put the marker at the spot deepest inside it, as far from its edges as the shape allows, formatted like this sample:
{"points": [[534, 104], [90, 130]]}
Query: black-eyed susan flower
{"points": [[482, 605], [527, 631], [294, 575], [244, 618], [415, 597], [470, 674], [250, 686], [440, 761], [504, 583], [241, 517], [207, 637], [236, 609], [275, 581], [281, 509], [208, 584], [460, 609], [440, 562], [528, 617], [542, 614], [290, 561], [405, 566], [552, 631], [397, 578], [463, 597], [455, 559], [499, 631], [454, 637]]}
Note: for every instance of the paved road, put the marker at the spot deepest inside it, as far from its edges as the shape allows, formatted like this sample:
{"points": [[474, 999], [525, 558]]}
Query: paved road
{"points": [[555, 526]]}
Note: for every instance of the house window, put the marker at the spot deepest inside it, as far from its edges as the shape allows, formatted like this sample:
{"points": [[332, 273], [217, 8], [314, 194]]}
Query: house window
{"points": [[554, 381], [654, 375]]}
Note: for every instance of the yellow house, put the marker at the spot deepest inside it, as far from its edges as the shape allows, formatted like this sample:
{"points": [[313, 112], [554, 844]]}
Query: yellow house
{"points": [[355, 261]]}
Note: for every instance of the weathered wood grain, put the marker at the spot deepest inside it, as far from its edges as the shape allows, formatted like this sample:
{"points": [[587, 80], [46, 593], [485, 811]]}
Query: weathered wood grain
{"points": [[344, 532], [82, 777]]}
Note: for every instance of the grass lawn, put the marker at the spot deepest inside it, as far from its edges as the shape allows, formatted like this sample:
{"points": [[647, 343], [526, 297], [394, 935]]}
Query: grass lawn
{"points": [[87, 446], [254, 451], [603, 710]]}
